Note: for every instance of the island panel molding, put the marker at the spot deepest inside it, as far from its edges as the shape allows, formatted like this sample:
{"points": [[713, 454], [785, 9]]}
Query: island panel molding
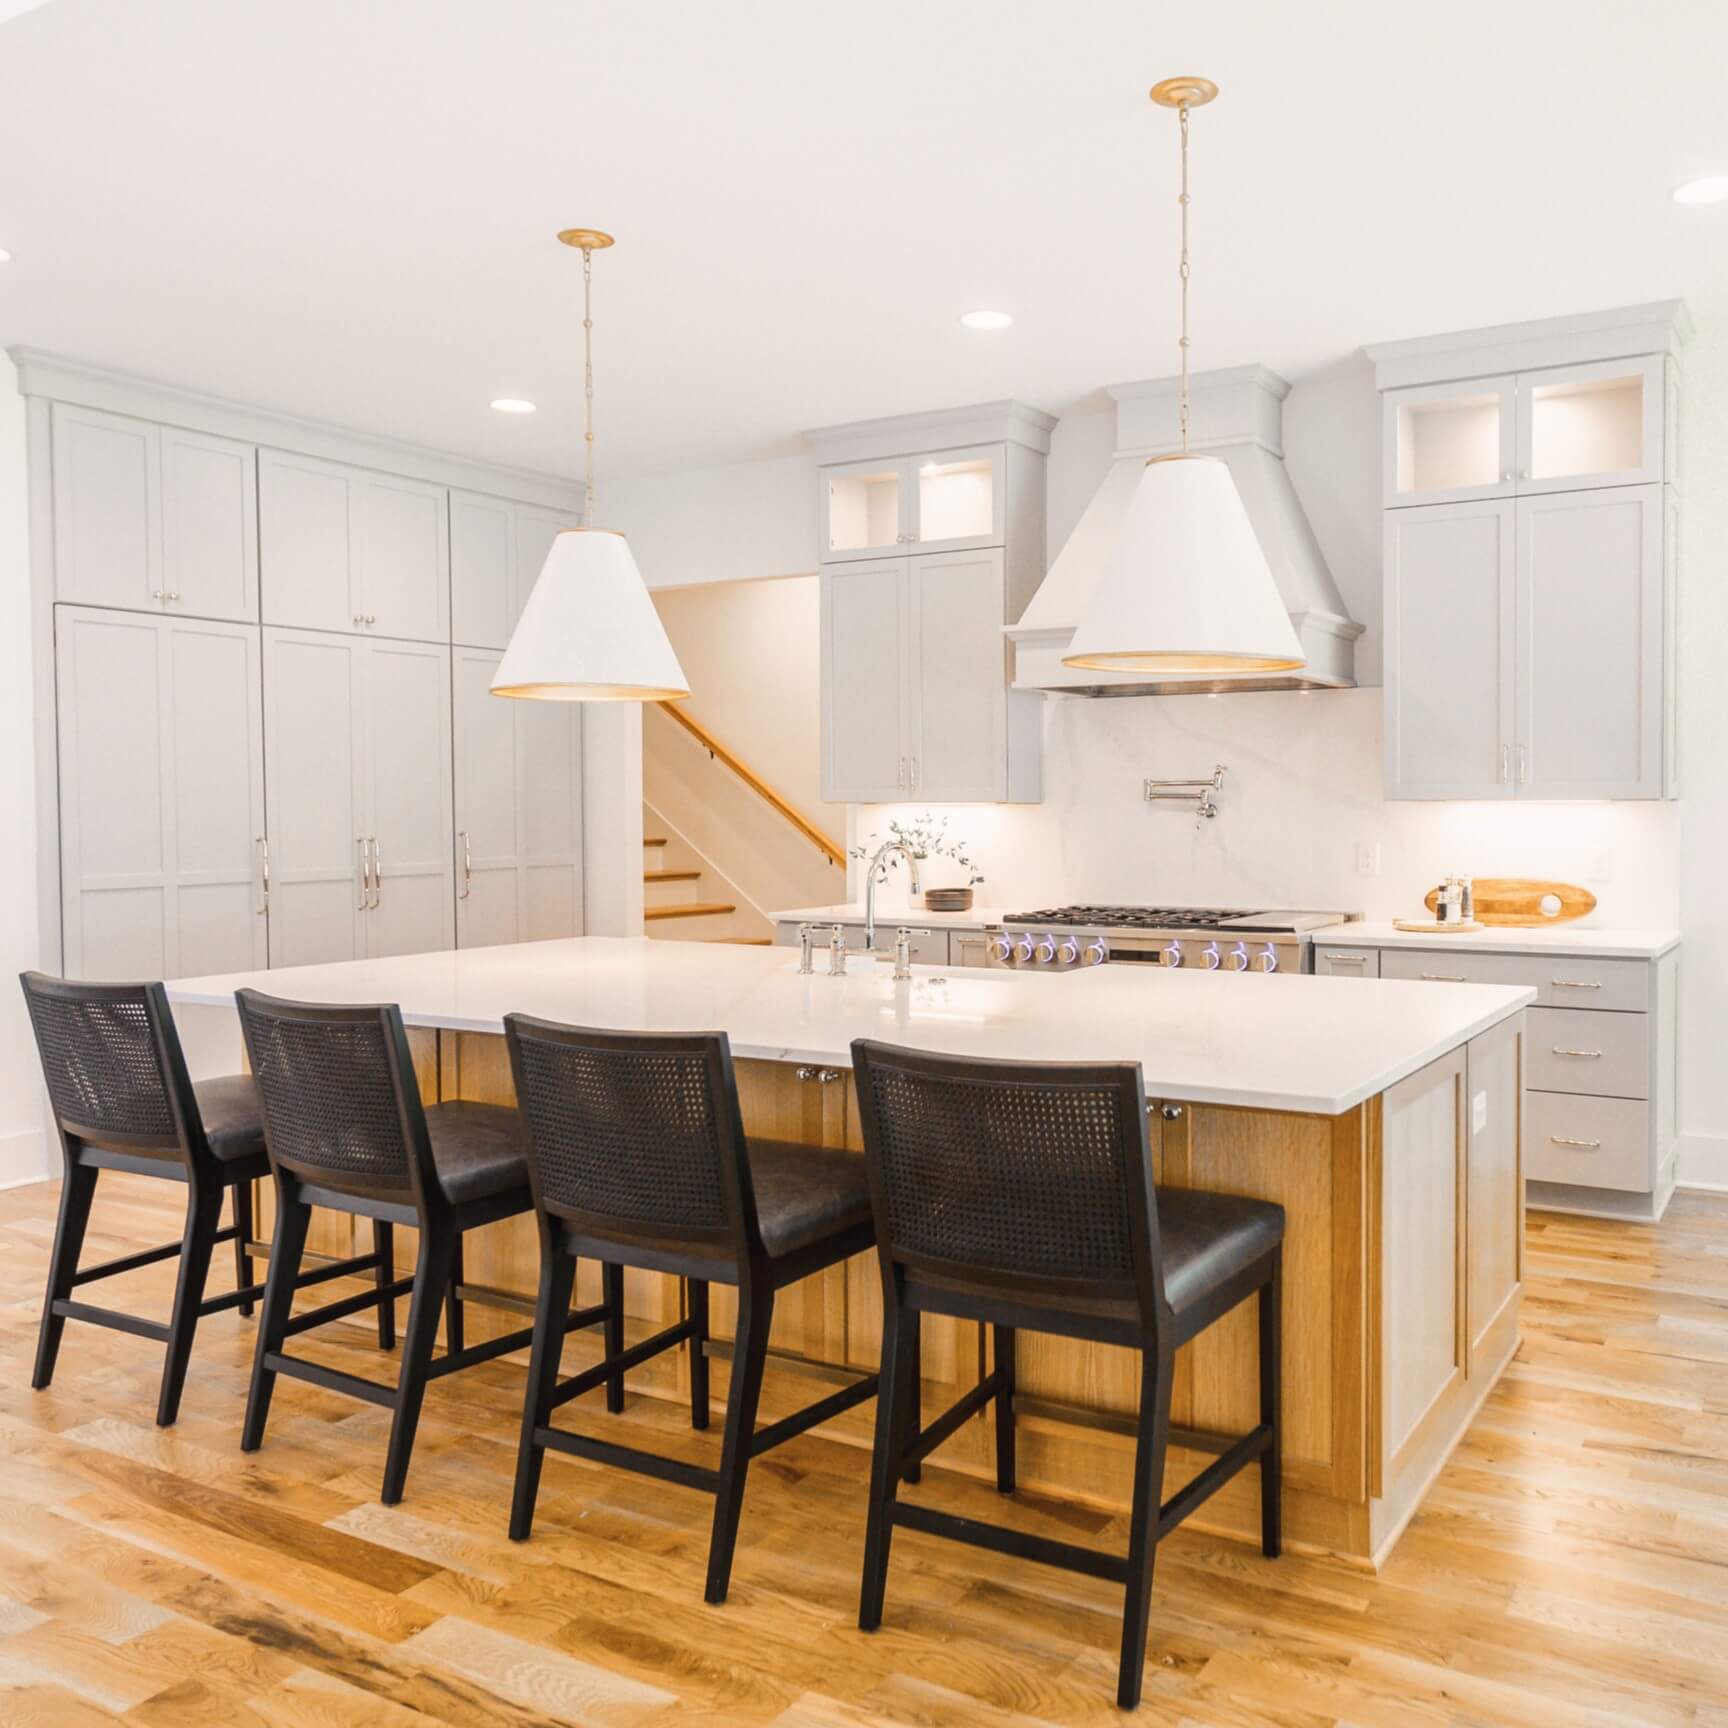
{"points": [[1402, 1255]]}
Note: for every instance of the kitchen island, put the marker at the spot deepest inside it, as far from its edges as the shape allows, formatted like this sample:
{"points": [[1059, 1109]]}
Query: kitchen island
{"points": [[1385, 1117]]}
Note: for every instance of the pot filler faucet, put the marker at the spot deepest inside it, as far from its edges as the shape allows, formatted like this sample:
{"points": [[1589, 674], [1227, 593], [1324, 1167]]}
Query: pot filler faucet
{"points": [[879, 869]]}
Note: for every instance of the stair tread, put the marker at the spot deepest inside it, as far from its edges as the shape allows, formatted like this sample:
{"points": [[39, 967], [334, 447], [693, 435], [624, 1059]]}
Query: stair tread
{"points": [[691, 909], [671, 875]]}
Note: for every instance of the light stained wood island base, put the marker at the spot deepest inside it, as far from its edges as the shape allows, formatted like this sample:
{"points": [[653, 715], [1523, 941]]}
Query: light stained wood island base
{"points": [[1403, 1267]]}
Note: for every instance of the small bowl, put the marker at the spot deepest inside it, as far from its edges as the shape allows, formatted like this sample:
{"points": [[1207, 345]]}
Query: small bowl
{"points": [[948, 900]]}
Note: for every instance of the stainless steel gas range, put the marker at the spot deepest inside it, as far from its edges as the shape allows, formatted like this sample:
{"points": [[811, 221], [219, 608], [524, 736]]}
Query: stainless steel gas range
{"points": [[1063, 938]]}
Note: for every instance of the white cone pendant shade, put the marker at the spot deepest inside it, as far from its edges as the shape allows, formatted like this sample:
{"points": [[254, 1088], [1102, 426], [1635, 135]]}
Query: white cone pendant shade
{"points": [[1186, 588], [589, 632]]}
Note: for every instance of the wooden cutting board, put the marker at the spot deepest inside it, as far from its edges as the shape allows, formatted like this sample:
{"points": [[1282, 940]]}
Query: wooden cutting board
{"points": [[1517, 901]]}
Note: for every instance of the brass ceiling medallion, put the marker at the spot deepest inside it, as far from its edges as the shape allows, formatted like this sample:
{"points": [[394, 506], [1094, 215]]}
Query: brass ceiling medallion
{"points": [[586, 239], [1187, 92]]}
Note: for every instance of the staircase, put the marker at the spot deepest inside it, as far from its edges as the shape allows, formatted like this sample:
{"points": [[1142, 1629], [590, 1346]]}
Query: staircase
{"points": [[685, 900]]}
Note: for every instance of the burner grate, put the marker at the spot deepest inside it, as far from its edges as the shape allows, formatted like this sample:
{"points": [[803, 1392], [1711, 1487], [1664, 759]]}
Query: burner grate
{"points": [[1132, 917]]}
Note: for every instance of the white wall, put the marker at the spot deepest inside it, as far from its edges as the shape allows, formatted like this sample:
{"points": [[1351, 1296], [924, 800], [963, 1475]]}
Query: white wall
{"points": [[23, 1141]]}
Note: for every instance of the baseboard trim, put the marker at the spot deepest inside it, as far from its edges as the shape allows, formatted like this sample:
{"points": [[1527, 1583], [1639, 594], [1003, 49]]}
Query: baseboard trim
{"points": [[23, 1158], [1703, 1162]]}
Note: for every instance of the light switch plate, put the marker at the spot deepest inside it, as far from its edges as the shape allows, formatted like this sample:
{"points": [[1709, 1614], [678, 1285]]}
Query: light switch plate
{"points": [[1367, 857], [1478, 1112]]}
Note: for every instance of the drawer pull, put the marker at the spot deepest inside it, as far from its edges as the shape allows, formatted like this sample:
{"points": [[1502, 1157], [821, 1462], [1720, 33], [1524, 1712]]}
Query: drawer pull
{"points": [[1574, 984], [1444, 978], [1588, 1055], [1347, 959], [1582, 1145]]}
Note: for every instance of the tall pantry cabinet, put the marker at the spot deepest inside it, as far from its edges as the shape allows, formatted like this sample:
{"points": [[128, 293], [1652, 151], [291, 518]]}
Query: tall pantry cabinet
{"points": [[273, 734]]}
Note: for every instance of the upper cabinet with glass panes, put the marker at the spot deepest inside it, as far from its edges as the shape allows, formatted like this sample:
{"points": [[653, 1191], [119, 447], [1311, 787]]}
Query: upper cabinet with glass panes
{"points": [[1550, 417], [947, 482]]}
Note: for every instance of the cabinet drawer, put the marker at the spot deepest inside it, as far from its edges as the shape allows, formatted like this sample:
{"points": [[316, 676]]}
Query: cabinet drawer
{"points": [[1588, 1142], [1347, 962], [1573, 1050], [1560, 980]]}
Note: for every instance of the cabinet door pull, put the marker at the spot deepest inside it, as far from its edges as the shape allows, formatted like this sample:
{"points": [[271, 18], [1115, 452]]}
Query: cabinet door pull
{"points": [[1348, 960], [1581, 1145], [365, 873], [1589, 1055], [264, 876], [901, 781], [467, 867], [1505, 756], [914, 761], [1444, 978], [1574, 984], [1523, 764], [377, 876]]}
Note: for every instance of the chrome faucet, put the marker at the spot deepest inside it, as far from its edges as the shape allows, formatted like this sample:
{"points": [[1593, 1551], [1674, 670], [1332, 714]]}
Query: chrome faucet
{"points": [[875, 869]]}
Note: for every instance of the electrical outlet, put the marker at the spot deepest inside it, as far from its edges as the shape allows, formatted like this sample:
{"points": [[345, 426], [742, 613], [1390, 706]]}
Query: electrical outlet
{"points": [[1599, 865], [1367, 857]]}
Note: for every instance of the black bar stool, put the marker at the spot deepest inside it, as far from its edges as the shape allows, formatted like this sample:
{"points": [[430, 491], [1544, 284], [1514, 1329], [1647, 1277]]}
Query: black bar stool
{"points": [[345, 1127], [638, 1157], [1021, 1194], [122, 1100]]}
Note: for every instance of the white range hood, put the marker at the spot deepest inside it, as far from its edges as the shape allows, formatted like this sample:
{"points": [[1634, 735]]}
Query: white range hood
{"points": [[1236, 415]]}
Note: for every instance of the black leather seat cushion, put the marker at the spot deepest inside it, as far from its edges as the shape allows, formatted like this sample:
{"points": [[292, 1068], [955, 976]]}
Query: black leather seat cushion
{"points": [[1208, 1238], [232, 1125], [806, 1193], [477, 1149]]}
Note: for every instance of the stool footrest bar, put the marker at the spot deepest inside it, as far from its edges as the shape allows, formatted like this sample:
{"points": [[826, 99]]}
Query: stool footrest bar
{"points": [[800, 1421], [950, 1421], [111, 1318], [126, 1263], [475, 1354], [1196, 1493], [629, 1458], [1001, 1540], [348, 1305], [331, 1379], [637, 1354]]}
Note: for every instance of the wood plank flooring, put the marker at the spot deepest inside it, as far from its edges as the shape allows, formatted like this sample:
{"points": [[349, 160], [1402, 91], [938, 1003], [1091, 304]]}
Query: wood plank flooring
{"points": [[1570, 1568]]}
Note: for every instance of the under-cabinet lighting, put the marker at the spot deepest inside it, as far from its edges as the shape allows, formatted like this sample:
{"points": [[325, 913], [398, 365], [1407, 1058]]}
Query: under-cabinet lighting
{"points": [[512, 405], [984, 319], [1710, 189]]}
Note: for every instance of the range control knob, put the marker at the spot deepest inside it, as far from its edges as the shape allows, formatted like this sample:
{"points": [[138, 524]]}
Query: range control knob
{"points": [[1069, 952], [1001, 950], [1172, 956], [1046, 950], [1097, 951], [1267, 959], [1211, 957], [1237, 958], [1023, 949]]}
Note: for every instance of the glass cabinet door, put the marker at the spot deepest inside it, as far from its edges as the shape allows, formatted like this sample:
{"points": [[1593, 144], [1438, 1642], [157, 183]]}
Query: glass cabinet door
{"points": [[1595, 425], [864, 508], [961, 498], [1450, 442]]}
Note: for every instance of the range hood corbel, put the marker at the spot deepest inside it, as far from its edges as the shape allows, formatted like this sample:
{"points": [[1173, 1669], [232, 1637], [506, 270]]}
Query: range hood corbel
{"points": [[1236, 415]]}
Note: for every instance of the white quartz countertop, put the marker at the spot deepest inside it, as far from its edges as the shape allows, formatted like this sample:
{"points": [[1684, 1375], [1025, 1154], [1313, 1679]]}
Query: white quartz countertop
{"points": [[1598, 942], [889, 917], [1316, 1045]]}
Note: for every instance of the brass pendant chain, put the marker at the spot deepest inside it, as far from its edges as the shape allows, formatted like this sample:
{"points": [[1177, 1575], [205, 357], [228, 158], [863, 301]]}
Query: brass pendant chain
{"points": [[588, 381], [1182, 113]]}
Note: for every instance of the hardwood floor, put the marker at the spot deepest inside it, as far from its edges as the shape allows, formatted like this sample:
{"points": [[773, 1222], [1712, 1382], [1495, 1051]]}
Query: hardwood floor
{"points": [[1570, 1567]]}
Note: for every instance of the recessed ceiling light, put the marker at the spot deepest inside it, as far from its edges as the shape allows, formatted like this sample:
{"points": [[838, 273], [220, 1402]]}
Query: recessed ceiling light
{"points": [[512, 405], [1711, 189], [986, 320]]}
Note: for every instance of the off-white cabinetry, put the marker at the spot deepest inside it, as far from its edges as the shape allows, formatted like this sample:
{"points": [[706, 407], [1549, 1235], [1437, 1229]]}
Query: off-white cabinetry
{"points": [[1530, 548], [348, 549], [359, 807], [518, 811], [153, 518], [915, 695], [937, 500], [496, 551], [161, 795], [1601, 1070], [1527, 646]]}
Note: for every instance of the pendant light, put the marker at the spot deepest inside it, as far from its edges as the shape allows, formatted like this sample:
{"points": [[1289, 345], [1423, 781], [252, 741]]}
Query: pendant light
{"points": [[1186, 587], [589, 632]]}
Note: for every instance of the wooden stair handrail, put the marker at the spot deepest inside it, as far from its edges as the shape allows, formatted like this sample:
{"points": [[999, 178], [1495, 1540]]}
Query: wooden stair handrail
{"points": [[756, 784]]}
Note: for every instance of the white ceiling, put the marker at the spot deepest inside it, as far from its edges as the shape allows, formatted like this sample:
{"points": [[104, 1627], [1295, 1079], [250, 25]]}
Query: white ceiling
{"points": [[346, 209]]}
